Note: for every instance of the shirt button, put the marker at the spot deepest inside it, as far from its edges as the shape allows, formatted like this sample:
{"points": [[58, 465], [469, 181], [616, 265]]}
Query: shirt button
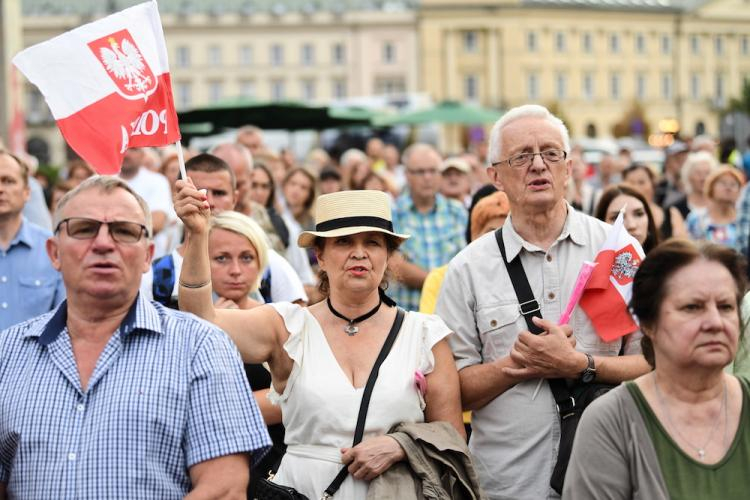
{"points": [[79, 407], [549, 258], [4, 305], [71, 456], [4, 279], [551, 295], [493, 323]]}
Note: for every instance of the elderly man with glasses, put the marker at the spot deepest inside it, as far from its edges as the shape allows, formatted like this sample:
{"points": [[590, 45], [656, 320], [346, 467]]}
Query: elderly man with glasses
{"points": [[436, 224], [111, 395], [515, 424]]}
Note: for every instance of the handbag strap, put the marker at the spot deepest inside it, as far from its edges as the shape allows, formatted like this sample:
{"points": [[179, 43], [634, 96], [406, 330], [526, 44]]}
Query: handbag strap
{"points": [[359, 431], [529, 307]]}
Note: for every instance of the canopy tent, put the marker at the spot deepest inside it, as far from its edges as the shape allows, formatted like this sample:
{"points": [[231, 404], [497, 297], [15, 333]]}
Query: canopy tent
{"points": [[447, 112]]}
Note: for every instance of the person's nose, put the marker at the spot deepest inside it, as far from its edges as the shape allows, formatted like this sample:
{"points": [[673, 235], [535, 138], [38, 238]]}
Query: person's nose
{"points": [[235, 268], [712, 317], [358, 251], [103, 241], [629, 223], [537, 162]]}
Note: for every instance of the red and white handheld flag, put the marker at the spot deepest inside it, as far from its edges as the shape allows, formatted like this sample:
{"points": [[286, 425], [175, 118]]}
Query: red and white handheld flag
{"points": [[107, 84], [610, 287]]}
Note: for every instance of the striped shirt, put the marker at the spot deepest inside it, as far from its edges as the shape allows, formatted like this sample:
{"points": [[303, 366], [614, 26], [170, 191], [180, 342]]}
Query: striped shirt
{"points": [[168, 392], [435, 238]]}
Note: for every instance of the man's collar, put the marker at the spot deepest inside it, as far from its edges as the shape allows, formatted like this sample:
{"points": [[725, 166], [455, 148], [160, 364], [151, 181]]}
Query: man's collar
{"points": [[23, 235], [408, 202], [141, 317], [572, 228]]}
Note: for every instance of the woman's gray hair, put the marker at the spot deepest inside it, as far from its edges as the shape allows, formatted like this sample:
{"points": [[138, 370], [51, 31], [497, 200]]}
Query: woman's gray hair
{"points": [[527, 110], [692, 161], [106, 184]]}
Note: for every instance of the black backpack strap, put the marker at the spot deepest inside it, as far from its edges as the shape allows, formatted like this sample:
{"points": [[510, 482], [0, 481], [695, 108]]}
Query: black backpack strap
{"points": [[359, 431], [163, 279], [529, 307]]}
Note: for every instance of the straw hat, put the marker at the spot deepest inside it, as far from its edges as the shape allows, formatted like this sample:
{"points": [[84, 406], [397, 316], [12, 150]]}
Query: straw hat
{"points": [[350, 212]]}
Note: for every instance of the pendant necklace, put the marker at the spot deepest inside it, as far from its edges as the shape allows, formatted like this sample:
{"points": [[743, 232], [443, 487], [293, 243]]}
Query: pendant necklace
{"points": [[351, 329], [701, 451]]}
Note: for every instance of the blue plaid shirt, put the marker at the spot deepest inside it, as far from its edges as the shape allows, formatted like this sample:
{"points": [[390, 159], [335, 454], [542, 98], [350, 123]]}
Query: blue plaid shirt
{"points": [[168, 392], [435, 238]]}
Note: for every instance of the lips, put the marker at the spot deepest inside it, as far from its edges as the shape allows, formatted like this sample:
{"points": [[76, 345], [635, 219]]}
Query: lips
{"points": [[358, 270]]}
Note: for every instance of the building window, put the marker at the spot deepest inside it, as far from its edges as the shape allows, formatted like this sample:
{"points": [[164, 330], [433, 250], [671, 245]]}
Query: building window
{"points": [[591, 131], [532, 87], [719, 45], [184, 91], [560, 42], [695, 86], [307, 54], [37, 110], [215, 91], [666, 86], [695, 45], [666, 45], [308, 90], [338, 53], [614, 43], [720, 92], [339, 89], [744, 45], [471, 41], [587, 44], [614, 86], [247, 89], [471, 88], [640, 86], [183, 57], [277, 55], [277, 90], [214, 55], [245, 55], [561, 86], [588, 86], [640, 43], [390, 85], [389, 52], [531, 42]]}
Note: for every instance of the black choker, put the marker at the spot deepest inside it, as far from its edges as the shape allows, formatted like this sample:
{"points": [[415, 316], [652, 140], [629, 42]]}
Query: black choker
{"points": [[351, 329]]}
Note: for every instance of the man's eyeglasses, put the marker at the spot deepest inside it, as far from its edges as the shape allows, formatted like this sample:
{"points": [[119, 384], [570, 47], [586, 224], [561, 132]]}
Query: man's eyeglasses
{"points": [[121, 231], [549, 157]]}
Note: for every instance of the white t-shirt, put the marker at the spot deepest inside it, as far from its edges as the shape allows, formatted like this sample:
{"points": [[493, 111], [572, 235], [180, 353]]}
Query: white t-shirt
{"points": [[154, 188]]}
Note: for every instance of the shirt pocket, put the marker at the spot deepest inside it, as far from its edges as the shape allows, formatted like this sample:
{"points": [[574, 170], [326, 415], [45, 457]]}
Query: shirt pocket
{"points": [[37, 293], [588, 341], [498, 329]]}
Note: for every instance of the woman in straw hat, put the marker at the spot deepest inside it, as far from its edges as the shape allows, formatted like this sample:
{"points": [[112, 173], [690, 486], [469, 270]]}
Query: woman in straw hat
{"points": [[320, 357]]}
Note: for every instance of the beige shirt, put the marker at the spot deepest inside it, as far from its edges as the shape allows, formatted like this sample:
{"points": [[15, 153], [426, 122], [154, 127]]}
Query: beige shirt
{"points": [[514, 437]]}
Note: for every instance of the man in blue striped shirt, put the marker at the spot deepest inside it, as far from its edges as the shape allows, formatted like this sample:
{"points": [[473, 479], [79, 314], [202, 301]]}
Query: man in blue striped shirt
{"points": [[113, 396]]}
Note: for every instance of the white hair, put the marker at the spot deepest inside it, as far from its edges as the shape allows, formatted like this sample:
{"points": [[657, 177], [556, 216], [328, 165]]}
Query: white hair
{"points": [[352, 154], [419, 146], [527, 110], [693, 160]]}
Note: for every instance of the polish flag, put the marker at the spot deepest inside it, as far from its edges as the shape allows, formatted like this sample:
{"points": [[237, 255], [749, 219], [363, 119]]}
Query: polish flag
{"points": [[609, 289], [107, 84]]}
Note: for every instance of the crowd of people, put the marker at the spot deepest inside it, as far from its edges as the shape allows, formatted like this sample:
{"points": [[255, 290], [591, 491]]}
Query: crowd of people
{"points": [[375, 301]]}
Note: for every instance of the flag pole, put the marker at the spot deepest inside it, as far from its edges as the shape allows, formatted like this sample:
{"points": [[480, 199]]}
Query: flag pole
{"points": [[181, 160]]}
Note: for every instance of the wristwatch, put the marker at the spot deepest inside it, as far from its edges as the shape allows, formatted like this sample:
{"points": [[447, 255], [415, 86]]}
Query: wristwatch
{"points": [[589, 374]]}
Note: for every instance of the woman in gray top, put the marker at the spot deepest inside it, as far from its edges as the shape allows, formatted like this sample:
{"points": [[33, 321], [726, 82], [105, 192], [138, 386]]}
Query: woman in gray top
{"points": [[682, 430]]}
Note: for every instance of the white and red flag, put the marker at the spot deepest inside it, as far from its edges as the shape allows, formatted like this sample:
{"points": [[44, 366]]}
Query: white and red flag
{"points": [[610, 287], [107, 84]]}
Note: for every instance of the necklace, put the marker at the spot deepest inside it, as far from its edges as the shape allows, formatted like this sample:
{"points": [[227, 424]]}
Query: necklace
{"points": [[351, 329], [701, 451]]}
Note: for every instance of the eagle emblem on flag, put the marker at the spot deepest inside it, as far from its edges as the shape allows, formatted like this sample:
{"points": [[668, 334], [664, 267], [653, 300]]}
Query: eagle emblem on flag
{"points": [[125, 65], [625, 265]]}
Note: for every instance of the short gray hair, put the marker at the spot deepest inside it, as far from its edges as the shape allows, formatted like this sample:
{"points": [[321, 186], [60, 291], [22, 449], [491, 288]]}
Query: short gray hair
{"points": [[692, 161], [527, 110], [106, 184], [352, 154]]}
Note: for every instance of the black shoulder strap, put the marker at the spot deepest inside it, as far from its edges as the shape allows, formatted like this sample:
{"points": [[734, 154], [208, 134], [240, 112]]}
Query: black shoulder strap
{"points": [[359, 431], [529, 307]]}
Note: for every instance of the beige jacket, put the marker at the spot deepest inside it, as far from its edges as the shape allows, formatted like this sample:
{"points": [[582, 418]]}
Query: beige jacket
{"points": [[437, 466]]}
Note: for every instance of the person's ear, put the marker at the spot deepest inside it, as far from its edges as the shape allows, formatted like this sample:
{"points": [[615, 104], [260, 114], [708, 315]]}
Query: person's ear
{"points": [[53, 251], [494, 174], [149, 256]]}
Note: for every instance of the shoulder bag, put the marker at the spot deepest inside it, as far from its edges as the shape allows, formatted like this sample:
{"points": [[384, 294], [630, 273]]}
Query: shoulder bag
{"points": [[268, 490], [571, 396]]}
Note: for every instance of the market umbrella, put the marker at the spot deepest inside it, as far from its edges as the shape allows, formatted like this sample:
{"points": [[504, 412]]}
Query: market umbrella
{"points": [[444, 112], [285, 115]]}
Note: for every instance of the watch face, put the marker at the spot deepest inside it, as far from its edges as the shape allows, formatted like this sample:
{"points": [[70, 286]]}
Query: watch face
{"points": [[588, 376]]}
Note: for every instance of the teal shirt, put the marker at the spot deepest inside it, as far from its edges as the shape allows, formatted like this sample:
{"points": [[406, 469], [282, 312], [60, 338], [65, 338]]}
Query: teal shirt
{"points": [[689, 479]]}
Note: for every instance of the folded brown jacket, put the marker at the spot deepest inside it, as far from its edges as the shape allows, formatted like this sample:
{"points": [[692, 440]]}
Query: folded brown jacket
{"points": [[437, 466]]}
